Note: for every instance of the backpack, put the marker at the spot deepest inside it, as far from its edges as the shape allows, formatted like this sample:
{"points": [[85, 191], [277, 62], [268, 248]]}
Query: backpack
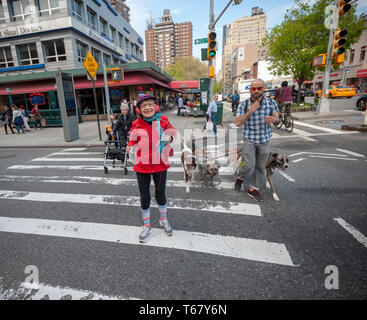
{"points": [[3, 116], [18, 121]]}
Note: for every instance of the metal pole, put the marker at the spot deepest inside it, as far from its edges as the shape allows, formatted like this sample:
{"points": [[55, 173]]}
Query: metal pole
{"points": [[323, 106], [211, 28], [107, 93], [96, 106], [229, 3]]}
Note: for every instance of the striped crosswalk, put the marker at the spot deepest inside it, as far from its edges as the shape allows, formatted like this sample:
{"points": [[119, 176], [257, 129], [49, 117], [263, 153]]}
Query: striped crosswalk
{"points": [[70, 167]]}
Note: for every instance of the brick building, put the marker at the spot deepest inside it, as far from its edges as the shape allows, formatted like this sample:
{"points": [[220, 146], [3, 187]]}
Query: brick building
{"points": [[122, 8], [167, 40]]}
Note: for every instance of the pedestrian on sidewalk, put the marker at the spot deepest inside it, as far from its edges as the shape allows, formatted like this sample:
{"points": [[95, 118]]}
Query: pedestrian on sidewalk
{"points": [[256, 114], [4, 121], [212, 111], [25, 117], [37, 116], [180, 104], [18, 119], [125, 121], [152, 135], [10, 117]]}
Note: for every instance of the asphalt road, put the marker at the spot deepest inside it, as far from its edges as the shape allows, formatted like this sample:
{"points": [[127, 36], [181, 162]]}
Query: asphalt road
{"points": [[225, 245]]}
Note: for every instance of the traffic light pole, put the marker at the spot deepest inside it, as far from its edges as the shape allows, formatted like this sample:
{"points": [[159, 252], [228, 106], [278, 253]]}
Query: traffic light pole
{"points": [[211, 28], [107, 93], [323, 106]]}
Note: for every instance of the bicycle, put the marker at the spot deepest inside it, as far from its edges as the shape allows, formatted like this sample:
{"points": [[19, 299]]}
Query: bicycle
{"points": [[285, 118]]}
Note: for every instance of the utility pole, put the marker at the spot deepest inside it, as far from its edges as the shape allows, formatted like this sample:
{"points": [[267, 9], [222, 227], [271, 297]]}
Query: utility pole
{"points": [[324, 106], [107, 93], [211, 28]]}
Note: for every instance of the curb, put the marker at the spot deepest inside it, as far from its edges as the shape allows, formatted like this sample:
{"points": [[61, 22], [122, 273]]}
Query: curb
{"points": [[355, 127], [53, 146], [330, 116]]}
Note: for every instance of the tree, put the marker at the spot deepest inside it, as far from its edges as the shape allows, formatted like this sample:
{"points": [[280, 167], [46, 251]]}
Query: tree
{"points": [[303, 35], [187, 68], [218, 87]]}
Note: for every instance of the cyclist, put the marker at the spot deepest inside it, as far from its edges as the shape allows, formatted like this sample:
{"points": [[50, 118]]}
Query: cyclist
{"points": [[284, 98], [235, 101]]}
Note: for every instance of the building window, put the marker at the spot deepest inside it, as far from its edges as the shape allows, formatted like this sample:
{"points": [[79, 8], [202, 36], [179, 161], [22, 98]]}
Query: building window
{"points": [[54, 50], [104, 30], [2, 17], [351, 59], [121, 41], [77, 9], [27, 54], [6, 59], [97, 55], [82, 50], [19, 9], [363, 54], [113, 35], [47, 7], [92, 19], [106, 59], [127, 45]]}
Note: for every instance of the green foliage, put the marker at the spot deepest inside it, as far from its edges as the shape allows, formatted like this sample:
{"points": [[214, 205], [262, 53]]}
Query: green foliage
{"points": [[218, 87], [303, 35], [187, 68]]}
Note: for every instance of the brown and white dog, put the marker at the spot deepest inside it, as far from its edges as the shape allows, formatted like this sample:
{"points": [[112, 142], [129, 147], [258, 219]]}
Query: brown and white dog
{"points": [[190, 163], [274, 161]]}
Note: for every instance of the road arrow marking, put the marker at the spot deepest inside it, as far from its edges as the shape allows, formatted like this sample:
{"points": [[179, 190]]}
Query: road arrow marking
{"points": [[353, 231]]}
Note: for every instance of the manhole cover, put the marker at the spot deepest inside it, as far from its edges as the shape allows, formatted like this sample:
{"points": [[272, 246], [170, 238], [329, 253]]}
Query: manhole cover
{"points": [[329, 121]]}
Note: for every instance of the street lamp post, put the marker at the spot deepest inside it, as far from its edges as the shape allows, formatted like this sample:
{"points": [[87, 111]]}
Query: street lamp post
{"points": [[212, 24]]}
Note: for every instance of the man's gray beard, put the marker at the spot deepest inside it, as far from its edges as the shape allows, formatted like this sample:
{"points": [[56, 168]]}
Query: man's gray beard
{"points": [[255, 96]]}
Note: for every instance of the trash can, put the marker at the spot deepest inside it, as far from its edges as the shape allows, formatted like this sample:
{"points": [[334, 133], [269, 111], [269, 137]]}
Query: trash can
{"points": [[219, 112]]}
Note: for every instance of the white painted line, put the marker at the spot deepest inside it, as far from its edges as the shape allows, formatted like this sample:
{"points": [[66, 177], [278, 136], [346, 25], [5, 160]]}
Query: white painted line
{"points": [[74, 149], [30, 291], [288, 177], [222, 170], [181, 204], [337, 158], [296, 154], [241, 248], [353, 231], [77, 153], [101, 180], [276, 135], [319, 153], [298, 160], [68, 159], [333, 131], [355, 154], [233, 126], [303, 134]]}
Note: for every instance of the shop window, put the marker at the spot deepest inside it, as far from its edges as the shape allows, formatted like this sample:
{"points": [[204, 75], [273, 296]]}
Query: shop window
{"points": [[77, 9], [92, 19], [54, 50], [104, 30], [97, 55], [19, 9], [27, 54], [6, 58], [2, 17], [363, 54], [47, 7], [81, 50]]}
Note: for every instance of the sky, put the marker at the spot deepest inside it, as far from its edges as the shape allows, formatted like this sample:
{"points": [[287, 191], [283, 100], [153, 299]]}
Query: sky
{"points": [[197, 11]]}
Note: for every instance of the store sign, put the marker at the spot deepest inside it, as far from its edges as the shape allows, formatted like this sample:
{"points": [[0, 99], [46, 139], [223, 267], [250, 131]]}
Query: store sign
{"points": [[37, 98], [18, 31]]}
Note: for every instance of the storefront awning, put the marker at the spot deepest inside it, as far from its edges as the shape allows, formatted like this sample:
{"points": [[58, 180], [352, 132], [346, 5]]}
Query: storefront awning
{"points": [[28, 87], [191, 84]]}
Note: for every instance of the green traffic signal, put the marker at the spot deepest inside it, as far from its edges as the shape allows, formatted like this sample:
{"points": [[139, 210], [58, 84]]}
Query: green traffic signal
{"points": [[212, 53]]}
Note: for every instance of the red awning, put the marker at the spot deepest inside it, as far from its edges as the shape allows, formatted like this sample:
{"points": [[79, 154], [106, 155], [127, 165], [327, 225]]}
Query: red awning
{"points": [[191, 84], [132, 78], [28, 87], [362, 73]]}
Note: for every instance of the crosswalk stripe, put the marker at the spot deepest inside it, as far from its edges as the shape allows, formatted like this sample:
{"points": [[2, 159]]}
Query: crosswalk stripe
{"points": [[353, 231], [326, 157], [329, 130], [74, 149], [67, 159], [181, 204], [229, 246], [101, 180], [303, 134], [222, 170], [76, 153], [30, 291], [355, 154]]}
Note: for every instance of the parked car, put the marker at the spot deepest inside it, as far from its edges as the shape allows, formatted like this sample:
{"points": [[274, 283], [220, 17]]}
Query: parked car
{"points": [[270, 92], [338, 91], [361, 102]]}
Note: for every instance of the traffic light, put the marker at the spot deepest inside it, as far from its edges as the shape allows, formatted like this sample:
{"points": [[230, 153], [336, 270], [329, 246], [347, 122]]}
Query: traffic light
{"points": [[211, 72], [212, 45], [344, 6], [339, 42], [320, 60]]}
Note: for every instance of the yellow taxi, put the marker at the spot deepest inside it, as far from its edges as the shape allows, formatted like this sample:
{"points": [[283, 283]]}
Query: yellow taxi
{"points": [[338, 91]]}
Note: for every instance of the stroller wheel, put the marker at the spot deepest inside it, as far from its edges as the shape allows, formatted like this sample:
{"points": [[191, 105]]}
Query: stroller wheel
{"points": [[105, 170], [125, 171]]}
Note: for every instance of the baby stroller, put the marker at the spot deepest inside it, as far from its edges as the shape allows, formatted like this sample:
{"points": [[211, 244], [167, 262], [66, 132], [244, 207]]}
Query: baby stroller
{"points": [[116, 150]]}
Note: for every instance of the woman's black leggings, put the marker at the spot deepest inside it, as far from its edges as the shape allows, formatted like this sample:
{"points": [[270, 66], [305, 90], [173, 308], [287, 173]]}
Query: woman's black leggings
{"points": [[159, 179]]}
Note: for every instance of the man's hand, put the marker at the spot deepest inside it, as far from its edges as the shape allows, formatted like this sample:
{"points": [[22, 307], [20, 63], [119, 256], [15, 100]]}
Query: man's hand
{"points": [[255, 106], [271, 119]]}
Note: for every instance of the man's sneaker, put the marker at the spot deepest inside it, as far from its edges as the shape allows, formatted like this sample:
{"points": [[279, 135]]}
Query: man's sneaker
{"points": [[166, 227], [238, 184], [255, 194], [145, 234]]}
